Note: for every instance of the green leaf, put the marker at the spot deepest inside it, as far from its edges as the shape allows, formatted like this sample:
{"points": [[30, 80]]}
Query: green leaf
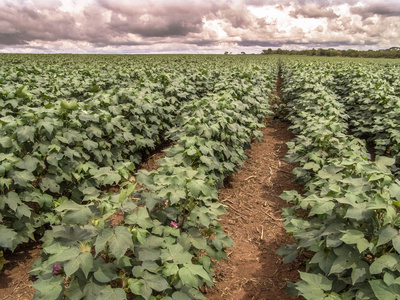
{"points": [[49, 184], [112, 178], [108, 293], [355, 237], [92, 289], [90, 145], [75, 290], [383, 162], [22, 178], [7, 238], [67, 106], [23, 210], [28, 163], [376, 176], [135, 285], [69, 254], [5, 182], [47, 124], [119, 240], [106, 273], [187, 277], [196, 187], [176, 254], [385, 261], [49, 289], [140, 217], [6, 142], [156, 282], [346, 258], [381, 290], [151, 249], [320, 208], [22, 92], [196, 238], [289, 195], [175, 195], [12, 200], [394, 190], [140, 234], [148, 283], [312, 286], [198, 270], [75, 213], [360, 272], [289, 253], [396, 243], [84, 261], [324, 259], [386, 234], [312, 166], [170, 269], [180, 296], [25, 133], [128, 136]]}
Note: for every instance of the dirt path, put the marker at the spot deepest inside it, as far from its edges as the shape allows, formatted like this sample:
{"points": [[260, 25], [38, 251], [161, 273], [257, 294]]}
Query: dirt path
{"points": [[253, 270], [15, 282]]}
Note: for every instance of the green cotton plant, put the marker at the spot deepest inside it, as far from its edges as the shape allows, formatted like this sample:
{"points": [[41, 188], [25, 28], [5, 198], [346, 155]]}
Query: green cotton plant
{"points": [[347, 217], [155, 243], [372, 101], [71, 149]]}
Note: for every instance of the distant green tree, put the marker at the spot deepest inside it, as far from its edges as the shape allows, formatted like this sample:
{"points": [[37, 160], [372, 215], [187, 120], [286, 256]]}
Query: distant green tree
{"points": [[393, 52]]}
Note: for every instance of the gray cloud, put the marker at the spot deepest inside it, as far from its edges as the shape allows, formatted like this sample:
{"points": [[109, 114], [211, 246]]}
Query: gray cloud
{"points": [[159, 19], [43, 25], [26, 23], [313, 10], [381, 8]]}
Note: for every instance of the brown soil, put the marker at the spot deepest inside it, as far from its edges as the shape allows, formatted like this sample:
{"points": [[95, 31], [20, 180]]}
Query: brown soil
{"points": [[15, 282], [151, 163], [253, 270]]}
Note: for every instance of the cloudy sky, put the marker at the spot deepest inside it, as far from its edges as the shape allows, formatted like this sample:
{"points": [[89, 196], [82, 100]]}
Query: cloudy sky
{"points": [[196, 26]]}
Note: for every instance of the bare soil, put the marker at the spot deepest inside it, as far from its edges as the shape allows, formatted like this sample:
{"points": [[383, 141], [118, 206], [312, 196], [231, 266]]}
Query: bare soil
{"points": [[15, 282], [253, 270]]}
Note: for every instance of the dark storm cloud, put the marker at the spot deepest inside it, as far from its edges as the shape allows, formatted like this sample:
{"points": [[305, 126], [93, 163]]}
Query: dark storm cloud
{"points": [[26, 23], [159, 19], [388, 9], [185, 24], [154, 26], [11, 39]]}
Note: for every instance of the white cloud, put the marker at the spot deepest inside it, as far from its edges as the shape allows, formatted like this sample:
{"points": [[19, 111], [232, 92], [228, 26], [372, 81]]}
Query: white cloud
{"points": [[195, 26]]}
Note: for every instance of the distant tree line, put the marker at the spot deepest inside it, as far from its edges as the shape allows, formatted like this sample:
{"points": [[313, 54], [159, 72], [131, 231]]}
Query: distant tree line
{"points": [[393, 52]]}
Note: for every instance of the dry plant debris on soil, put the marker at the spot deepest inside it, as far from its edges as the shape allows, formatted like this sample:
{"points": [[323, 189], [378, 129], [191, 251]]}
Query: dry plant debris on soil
{"points": [[253, 270]]}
